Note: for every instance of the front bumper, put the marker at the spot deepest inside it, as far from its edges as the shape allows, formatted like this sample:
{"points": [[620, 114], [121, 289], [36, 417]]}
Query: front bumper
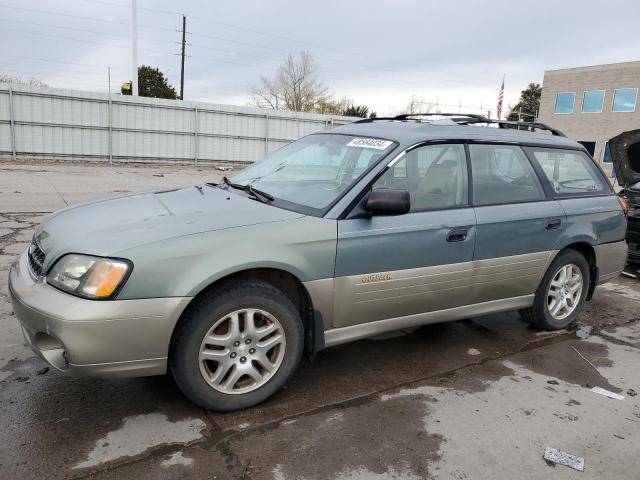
{"points": [[110, 338]]}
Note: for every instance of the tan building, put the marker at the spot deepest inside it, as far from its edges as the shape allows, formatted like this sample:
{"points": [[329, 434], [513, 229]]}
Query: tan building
{"points": [[592, 104]]}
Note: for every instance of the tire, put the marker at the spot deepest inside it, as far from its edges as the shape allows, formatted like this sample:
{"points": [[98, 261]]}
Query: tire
{"points": [[540, 313], [199, 367]]}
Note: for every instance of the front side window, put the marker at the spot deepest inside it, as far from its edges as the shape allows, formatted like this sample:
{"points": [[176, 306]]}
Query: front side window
{"points": [[502, 174], [435, 177], [624, 100], [569, 172], [564, 102], [314, 171], [592, 101]]}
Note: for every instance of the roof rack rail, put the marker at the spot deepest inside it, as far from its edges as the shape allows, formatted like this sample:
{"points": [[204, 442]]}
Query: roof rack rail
{"points": [[469, 119], [408, 116], [527, 125], [457, 117]]}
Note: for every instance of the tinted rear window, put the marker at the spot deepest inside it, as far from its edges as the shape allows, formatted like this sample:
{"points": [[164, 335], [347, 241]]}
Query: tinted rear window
{"points": [[570, 172], [502, 174]]}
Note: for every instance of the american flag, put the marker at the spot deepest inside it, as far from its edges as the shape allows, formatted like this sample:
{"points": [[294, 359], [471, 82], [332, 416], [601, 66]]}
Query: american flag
{"points": [[500, 98]]}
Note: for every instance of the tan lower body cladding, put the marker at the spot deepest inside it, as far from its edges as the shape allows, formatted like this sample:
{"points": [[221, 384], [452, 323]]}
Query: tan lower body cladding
{"points": [[428, 289]]}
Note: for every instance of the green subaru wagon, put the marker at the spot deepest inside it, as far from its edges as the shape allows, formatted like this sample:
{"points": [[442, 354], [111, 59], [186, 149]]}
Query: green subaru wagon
{"points": [[375, 226]]}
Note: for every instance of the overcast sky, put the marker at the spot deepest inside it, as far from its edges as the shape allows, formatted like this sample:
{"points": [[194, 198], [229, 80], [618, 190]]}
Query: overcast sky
{"points": [[377, 52]]}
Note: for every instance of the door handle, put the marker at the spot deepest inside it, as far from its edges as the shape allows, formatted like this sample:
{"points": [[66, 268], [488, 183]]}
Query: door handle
{"points": [[457, 235], [553, 224]]}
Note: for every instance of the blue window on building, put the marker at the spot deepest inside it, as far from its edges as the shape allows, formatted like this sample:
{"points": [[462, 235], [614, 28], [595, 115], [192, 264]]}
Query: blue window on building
{"points": [[564, 102], [592, 101], [606, 157], [624, 100]]}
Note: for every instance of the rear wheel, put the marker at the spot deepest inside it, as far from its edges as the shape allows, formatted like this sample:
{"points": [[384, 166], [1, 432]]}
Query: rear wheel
{"points": [[236, 346], [561, 294]]}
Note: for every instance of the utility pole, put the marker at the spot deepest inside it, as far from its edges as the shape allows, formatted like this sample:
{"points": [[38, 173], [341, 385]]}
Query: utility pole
{"points": [[134, 50], [184, 32]]}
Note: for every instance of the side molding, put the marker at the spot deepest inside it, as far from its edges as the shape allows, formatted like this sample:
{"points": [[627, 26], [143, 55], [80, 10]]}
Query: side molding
{"points": [[338, 336]]}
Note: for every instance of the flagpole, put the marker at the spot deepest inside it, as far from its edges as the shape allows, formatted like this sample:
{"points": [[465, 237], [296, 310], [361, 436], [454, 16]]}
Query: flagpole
{"points": [[500, 99]]}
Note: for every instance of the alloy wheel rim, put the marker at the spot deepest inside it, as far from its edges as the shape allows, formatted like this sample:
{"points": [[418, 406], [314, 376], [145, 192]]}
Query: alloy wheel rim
{"points": [[564, 291], [242, 351]]}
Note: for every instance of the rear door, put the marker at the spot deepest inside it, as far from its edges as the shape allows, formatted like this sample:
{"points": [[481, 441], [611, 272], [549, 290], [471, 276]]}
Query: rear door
{"points": [[394, 266], [518, 223], [593, 213]]}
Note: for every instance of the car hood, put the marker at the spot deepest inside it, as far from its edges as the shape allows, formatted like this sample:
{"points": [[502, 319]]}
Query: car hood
{"points": [[625, 153], [109, 226]]}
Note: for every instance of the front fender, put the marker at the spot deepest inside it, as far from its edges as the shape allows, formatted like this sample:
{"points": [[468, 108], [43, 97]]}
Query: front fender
{"points": [[184, 266]]}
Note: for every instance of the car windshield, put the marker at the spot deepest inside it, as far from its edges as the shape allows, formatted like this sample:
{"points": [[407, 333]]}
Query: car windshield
{"points": [[315, 170]]}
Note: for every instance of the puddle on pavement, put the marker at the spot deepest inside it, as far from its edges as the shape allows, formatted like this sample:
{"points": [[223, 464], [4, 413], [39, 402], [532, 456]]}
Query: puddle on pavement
{"points": [[140, 433], [335, 439], [562, 362], [177, 458]]}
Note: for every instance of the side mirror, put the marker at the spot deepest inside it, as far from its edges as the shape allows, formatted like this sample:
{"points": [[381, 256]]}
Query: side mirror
{"points": [[388, 202]]}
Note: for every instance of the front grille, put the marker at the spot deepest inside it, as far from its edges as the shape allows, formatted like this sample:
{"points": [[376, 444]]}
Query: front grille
{"points": [[36, 258]]}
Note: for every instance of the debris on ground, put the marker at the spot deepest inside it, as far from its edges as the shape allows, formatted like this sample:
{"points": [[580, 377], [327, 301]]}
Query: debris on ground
{"points": [[161, 175], [632, 271], [584, 331], [607, 393], [553, 382], [224, 169], [563, 458], [631, 392], [586, 359]]}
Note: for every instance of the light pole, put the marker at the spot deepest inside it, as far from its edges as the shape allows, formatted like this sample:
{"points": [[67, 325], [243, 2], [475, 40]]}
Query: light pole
{"points": [[134, 49]]}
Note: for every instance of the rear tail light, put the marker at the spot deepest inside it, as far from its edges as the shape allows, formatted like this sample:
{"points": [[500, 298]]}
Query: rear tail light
{"points": [[624, 204]]}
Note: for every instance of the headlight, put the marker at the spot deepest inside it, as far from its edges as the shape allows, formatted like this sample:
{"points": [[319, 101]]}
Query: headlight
{"points": [[89, 277]]}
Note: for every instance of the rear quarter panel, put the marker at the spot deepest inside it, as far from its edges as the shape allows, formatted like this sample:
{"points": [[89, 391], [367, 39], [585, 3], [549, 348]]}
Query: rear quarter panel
{"points": [[600, 222], [593, 220]]}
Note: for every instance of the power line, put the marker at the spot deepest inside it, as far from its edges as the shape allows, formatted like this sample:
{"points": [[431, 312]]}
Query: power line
{"points": [[59, 70], [79, 17], [212, 37], [340, 51], [83, 40], [342, 62], [48, 60], [83, 30]]}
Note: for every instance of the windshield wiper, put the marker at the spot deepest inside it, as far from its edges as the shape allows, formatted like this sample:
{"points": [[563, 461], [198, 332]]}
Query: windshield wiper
{"points": [[254, 192]]}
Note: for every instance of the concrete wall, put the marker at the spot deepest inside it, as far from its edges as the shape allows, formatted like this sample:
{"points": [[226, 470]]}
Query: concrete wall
{"points": [[598, 127], [53, 123]]}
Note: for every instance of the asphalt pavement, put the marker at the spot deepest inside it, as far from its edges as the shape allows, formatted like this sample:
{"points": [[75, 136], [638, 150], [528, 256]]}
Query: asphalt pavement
{"points": [[474, 399]]}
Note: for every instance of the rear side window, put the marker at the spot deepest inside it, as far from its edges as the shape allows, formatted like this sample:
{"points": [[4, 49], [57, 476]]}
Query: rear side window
{"points": [[503, 174], [569, 172]]}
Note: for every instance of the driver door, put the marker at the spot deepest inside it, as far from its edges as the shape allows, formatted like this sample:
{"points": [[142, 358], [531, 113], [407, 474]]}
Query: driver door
{"points": [[394, 266]]}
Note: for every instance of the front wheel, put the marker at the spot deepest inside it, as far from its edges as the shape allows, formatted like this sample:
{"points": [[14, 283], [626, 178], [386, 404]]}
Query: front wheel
{"points": [[238, 345], [561, 294]]}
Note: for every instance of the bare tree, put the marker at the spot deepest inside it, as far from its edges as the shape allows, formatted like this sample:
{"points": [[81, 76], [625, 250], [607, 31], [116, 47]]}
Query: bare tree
{"points": [[32, 81], [417, 104], [295, 86]]}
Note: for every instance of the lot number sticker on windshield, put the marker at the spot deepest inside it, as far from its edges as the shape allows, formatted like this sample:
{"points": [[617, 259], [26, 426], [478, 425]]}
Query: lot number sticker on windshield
{"points": [[375, 143]]}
